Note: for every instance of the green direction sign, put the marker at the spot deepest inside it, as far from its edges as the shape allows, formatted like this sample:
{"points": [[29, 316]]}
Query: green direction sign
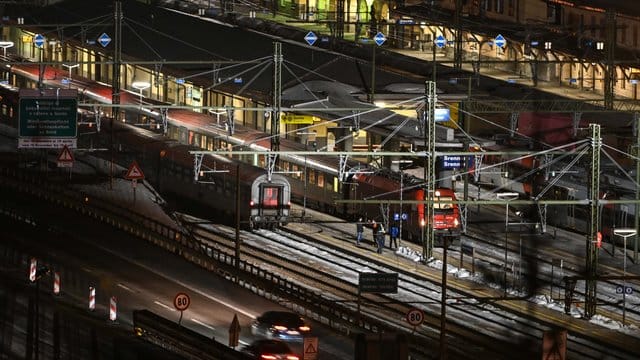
{"points": [[48, 118]]}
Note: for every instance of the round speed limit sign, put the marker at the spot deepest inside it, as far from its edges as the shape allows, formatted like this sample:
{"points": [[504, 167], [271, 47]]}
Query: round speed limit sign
{"points": [[415, 317], [181, 301]]}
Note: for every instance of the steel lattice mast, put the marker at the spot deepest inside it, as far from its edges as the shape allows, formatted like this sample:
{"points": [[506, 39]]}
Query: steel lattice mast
{"points": [[594, 223]]}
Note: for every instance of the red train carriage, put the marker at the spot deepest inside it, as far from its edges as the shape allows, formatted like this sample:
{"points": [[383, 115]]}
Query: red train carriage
{"points": [[384, 186]]}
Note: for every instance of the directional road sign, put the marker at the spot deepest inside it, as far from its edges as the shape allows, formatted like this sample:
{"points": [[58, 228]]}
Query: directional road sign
{"points": [[104, 40], [48, 118], [415, 317], [440, 41], [379, 38], [500, 41], [38, 40], [311, 38]]}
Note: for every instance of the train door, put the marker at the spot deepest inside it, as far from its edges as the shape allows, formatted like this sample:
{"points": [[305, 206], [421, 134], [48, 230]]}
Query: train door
{"points": [[271, 200]]}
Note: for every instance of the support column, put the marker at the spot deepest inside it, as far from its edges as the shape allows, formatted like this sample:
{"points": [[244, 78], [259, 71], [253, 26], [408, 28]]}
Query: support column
{"points": [[636, 218], [115, 80], [610, 67], [277, 96], [594, 221], [429, 167]]}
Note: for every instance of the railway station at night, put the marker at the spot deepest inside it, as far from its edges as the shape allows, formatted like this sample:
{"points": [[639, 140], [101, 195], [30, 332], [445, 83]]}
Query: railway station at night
{"points": [[319, 180]]}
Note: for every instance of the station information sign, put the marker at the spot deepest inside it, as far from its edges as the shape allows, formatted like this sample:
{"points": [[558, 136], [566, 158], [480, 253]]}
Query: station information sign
{"points": [[48, 118], [378, 283]]}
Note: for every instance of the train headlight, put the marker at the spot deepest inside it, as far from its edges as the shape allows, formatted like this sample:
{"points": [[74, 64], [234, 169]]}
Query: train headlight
{"points": [[456, 222], [251, 203], [422, 222]]}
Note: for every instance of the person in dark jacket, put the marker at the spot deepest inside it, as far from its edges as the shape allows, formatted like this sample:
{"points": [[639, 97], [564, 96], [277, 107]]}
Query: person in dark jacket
{"points": [[379, 238], [393, 236], [359, 231]]}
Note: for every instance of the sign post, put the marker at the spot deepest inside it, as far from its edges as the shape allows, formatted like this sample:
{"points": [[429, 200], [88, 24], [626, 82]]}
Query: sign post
{"points": [[134, 174], [234, 332], [181, 302], [310, 348]]}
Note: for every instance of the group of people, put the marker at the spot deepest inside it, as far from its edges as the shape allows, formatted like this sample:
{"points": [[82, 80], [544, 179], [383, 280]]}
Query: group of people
{"points": [[378, 234]]}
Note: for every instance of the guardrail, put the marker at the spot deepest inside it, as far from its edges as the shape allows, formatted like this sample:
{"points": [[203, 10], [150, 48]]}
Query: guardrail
{"points": [[326, 310]]}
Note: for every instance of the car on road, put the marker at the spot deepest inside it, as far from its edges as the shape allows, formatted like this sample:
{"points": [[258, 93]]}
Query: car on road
{"points": [[270, 349], [282, 325]]}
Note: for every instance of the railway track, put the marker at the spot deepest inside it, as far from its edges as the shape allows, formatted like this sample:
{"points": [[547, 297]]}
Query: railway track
{"points": [[333, 271]]}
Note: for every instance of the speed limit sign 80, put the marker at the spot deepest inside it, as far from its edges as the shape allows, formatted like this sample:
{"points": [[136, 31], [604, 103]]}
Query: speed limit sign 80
{"points": [[181, 301], [415, 317]]}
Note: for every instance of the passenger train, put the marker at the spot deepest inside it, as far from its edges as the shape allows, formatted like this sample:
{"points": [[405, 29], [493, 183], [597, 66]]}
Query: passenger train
{"points": [[310, 180], [530, 177]]}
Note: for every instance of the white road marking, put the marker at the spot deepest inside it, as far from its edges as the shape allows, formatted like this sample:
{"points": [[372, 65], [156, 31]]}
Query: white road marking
{"points": [[243, 343], [195, 290], [164, 306], [202, 324], [125, 287]]}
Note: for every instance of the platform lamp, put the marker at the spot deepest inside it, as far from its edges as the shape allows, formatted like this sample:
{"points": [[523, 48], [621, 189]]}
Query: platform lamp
{"points": [[140, 86], [624, 233], [5, 45], [507, 197], [70, 66]]}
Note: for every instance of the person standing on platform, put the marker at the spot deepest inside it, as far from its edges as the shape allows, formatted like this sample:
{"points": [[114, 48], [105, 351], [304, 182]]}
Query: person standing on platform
{"points": [[393, 237], [359, 231], [374, 232], [380, 238]]}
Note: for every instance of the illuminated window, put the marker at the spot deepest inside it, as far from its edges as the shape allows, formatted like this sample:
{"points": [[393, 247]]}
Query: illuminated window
{"points": [[320, 180], [270, 196]]}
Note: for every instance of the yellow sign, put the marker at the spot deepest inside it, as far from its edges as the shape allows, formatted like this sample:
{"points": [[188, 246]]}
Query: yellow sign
{"points": [[453, 117], [27, 38], [297, 119]]}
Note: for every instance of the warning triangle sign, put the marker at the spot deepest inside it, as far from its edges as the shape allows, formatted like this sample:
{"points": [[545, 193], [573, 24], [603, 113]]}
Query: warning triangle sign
{"points": [[310, 349], [134, 172], [65, 155]]}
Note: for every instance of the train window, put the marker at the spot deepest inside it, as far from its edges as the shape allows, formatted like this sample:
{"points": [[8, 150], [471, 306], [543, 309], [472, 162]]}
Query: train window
{"points": [[295, 172], [443, 206], [190, 141], [270, 196], [312, 177], [320, 179], [285, 166]]}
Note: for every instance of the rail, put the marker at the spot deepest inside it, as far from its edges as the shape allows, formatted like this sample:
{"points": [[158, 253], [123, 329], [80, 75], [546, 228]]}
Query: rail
{"points": [[328, 311]]}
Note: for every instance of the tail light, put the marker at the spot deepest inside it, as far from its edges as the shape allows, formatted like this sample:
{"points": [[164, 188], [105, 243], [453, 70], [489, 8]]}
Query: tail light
{"points": [[280, 328], [304, 328], [292, 357], [268, 357]]}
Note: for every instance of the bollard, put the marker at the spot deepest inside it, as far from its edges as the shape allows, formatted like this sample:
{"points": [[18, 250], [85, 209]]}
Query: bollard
{"points": [[113, 309], [92, 298], [32, 269], [56, 283]]}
